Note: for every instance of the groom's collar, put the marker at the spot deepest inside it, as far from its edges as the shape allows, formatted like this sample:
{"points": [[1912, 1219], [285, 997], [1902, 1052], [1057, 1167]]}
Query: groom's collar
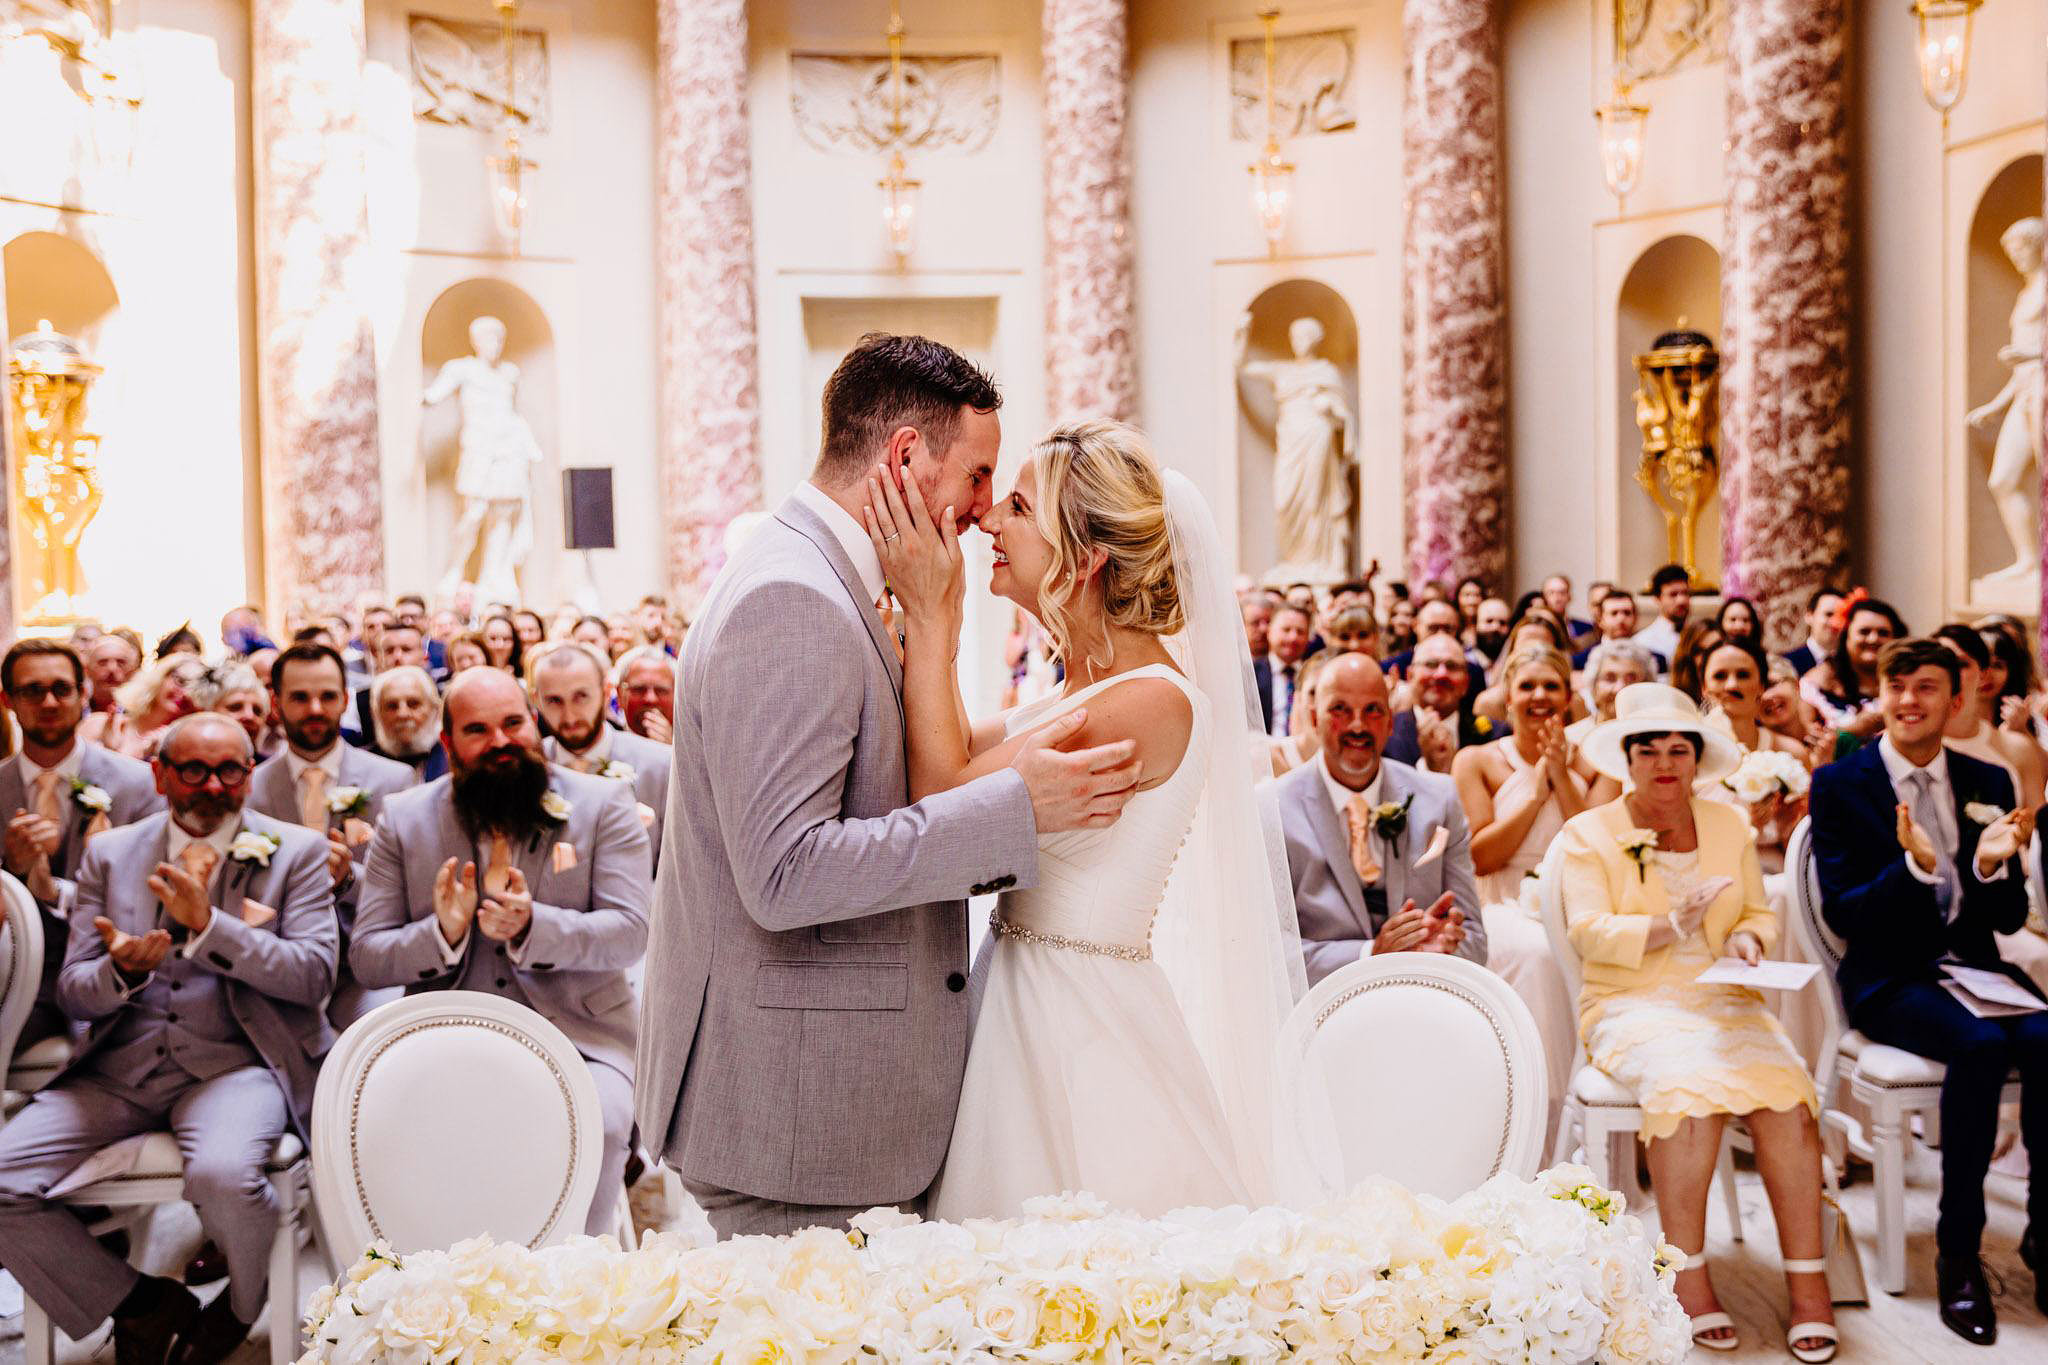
{"points": [[851, 535]]}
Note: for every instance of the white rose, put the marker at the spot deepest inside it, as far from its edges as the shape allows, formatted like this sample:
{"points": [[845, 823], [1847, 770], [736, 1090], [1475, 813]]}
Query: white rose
{"points": [[752, 1339], [430, 1316], [1010, 1318], [878, 1219], [1071, 1207]]}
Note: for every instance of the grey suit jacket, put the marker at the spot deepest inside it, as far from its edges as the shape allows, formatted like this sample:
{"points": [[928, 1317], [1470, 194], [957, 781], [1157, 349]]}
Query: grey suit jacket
{"points": [[128, 781], [279, 973], [273, 793], [806, 1025], [650, 764], [589, 919], [1328, 898]]}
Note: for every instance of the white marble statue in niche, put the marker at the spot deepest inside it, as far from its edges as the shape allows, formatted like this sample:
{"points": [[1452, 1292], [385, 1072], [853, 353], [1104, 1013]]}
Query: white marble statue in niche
{"points": [[494, 474], [2016, 463], [1315, 441]]}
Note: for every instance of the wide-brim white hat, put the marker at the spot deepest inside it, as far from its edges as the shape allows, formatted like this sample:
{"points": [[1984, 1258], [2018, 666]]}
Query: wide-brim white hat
{"points": [[1653, 708]]}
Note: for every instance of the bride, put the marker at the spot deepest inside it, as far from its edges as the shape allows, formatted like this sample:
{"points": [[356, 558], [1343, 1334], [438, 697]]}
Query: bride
{"points": [[1129, 1004]]}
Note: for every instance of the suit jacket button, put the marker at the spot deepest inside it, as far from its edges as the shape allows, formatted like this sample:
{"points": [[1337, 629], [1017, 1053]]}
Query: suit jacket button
{"points": [[501, 983], [956, 983]]}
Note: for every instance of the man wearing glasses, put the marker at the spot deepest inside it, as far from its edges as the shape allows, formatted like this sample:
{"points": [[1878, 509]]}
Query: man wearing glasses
{"points": [[57, 793], [203, 948]]}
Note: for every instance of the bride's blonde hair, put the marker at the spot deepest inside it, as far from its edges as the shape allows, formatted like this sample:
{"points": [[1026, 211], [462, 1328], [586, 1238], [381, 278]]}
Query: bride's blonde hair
{"points": [[1099, 489]]}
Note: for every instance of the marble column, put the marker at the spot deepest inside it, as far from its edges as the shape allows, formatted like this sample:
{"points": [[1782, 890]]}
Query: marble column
{"points": [[709, 396], [323, 506], [1089, 365], [1785, 306], [1454, 456]]}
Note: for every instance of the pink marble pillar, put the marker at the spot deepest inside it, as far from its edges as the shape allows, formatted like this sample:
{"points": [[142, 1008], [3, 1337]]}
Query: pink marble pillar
{"points": [[323, 507], [1785, 306], [2042, 621], [1089, 365], [1453, 304], [709, 399]]}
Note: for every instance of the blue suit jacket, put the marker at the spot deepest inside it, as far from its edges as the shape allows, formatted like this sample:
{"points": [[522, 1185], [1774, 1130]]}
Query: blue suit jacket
{"points": [[1888, 918]]}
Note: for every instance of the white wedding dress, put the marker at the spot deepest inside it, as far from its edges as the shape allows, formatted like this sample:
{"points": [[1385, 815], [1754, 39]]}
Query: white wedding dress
{"points": [[1083, 1074]]}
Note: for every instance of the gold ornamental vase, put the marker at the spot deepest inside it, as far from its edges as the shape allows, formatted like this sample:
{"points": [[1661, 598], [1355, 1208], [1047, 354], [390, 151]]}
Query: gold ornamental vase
{"points": [[56, 479], [1678, 409]]}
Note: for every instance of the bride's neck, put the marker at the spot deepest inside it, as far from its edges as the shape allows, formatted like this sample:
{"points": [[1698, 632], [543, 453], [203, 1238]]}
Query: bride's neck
{"points": [[1098, 650]]}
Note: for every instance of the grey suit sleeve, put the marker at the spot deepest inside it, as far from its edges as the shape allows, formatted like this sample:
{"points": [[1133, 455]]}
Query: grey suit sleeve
{"points": [[1458, 880], [387, 946], [89, 986], [298, 959], [612, 934], [1327, 955], [777, 757]]}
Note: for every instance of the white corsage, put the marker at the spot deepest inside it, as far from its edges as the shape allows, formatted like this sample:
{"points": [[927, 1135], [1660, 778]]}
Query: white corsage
{"points": [[1982, 812], [89, 798], [617, 771], [254, 848], [347, 800], [1636, 845], [555, 806], [1767, 773]]}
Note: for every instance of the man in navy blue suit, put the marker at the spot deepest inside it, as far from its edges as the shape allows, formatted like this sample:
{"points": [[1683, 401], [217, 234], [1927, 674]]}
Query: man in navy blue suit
{"points": [[1917, 852]]}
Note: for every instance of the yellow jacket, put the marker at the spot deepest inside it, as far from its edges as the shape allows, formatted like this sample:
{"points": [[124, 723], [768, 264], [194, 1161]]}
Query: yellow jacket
{"points": [[1610, 903]]}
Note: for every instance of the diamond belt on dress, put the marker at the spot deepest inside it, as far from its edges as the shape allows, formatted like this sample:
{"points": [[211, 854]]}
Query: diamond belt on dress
{"points": [[1002, 928]]}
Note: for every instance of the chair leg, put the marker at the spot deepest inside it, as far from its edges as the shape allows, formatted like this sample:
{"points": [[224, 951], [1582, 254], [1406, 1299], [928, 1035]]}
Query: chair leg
{"points": [[38, 1335], [1888, 1163], [1724, 1172], [1598, 1143], [284, 1269]]}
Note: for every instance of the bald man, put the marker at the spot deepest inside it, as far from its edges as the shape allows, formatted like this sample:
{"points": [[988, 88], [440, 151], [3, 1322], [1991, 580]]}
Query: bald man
{"points": [[1379, 853], [518, 879]]}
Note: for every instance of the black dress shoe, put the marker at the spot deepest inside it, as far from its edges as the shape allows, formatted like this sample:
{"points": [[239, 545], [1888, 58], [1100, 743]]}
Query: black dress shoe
{"points": [[1966, 1299], [208, 1264], [214, 1336], [146, 1337]]}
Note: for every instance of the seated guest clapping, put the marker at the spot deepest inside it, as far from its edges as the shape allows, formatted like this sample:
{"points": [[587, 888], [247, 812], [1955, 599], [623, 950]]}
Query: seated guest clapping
{"points": [[571, 691], [1657, 886], [1439, 721], [1915, 846], [202, 950], [518, 879], [1377, 851]]}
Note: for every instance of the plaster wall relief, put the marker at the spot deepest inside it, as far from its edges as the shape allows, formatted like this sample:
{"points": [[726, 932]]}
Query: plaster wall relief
{"points": [[459, 74], [842, 101], [1312, 75], [1664, 37]]}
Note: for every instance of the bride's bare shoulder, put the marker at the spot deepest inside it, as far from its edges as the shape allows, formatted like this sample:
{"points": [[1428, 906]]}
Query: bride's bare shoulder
{"points": [[1151, 711]]}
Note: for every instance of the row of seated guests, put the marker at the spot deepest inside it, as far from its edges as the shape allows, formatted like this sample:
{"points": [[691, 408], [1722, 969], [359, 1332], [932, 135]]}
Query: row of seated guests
{"points": [[213, 920]]}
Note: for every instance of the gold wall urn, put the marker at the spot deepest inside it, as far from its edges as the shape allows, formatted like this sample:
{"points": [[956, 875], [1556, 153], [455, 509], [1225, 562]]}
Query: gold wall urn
{"points": [[1678, 409], [56, 479]]}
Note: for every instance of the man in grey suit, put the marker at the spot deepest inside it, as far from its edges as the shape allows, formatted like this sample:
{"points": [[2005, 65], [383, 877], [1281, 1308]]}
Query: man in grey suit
{"points": [[332, 788], [202, 952], [568, 683], [56, 794], [518, 879], [1366, 834], [806, 1027]]}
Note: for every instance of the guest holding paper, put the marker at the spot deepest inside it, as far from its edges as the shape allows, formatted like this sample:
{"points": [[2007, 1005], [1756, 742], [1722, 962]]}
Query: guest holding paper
{"points": [[1916, 846], [1659, 885]]}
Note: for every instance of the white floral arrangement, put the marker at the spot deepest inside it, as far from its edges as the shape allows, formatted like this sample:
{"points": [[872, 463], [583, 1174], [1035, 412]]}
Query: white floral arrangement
{"points": [[1767, 773], [617, 771], [1549, 1270], [555, 806], [91, 798], [347, 801], [253, 848]]}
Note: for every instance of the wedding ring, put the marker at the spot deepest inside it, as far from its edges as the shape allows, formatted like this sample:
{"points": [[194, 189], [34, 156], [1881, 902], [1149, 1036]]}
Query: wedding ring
{"points": [[886, 539]]}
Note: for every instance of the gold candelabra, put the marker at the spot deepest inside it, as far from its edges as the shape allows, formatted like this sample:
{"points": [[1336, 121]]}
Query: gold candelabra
{"points": [[1678, 410], [56, 471]]}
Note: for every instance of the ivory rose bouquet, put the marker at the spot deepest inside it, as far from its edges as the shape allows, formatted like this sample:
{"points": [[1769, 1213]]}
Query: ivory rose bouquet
{"points": [[1550, 1270], [1766, 773]]}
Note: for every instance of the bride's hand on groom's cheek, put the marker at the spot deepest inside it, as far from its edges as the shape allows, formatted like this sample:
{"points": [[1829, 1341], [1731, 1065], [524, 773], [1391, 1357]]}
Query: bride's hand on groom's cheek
{"points": [[920, 554]]}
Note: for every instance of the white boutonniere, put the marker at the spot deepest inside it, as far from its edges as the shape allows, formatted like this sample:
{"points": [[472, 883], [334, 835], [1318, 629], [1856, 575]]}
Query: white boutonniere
{"points": [[89, 798], [1982, 812], [555, 806], [347, 801], [253, 848], [617, 771], [1636, 845]]}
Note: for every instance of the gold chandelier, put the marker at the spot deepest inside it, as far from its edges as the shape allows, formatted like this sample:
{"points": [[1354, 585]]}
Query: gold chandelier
{"points": [[1944, 50], [1272, 174], [1623, 124], [508, 171], [899, 191]]}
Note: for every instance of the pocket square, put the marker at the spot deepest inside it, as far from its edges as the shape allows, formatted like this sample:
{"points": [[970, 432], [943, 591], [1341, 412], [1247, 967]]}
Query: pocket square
{"points": [[256, 914], [564, 857], [646, 815], [357, 832], [1439, 840]]}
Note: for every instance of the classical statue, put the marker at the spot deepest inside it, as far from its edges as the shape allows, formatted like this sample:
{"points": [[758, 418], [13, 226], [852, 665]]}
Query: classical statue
{"points": [[56, 470], [2016, 459], [494, 474], [1315, 440], [1678, 414]]}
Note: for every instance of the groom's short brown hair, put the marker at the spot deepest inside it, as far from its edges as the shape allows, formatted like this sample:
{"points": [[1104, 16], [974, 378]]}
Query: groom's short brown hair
{"points": [[886, 382]]}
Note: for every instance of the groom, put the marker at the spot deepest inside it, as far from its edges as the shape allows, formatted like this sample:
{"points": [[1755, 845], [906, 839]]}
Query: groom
{"points": [[804, 1029]]}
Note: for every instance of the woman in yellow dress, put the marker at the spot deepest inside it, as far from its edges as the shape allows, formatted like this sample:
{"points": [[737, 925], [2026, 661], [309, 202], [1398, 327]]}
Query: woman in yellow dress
{"points": [[1659, 885]]}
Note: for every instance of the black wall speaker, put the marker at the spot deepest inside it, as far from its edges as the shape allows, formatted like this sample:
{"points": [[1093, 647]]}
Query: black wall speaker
{"points": [[587, 508]]}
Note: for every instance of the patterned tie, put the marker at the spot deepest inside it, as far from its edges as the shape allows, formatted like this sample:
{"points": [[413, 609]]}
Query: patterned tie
{"points": [[1927, 814], [48, 804], [313, 797], [200, 860], [497, 867], [1283, 700], [584, 763], [1358, 825]]}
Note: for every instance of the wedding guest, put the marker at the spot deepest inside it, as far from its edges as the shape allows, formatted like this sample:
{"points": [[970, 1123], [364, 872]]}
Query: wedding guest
{"points": [[1915, 871], [1672, 587], [241, 631], [1557, 595], [52, 790], [590, 630], [1732, 685], [1738, 620], [467, 651], [180, 640], [645, 680], [1972, 731], [1821, 631], [201, 968], [1400, 619], [1538, 630], [1439, 720], [150, 701], [406, 712], [1287, 641], [233, 690], [532, 630], [1300, 743], [1488, 636], [1617, 617], [1610, 666], [110, 661], [1689, 656], [399, 646], [521, 880], [1257, 607], [1378, 852], [1692, 1054], [2011, 692], [1782, 711], [570, 687], [651, 619], [501, 645], [1355, 630], [621, 635], [1431, 618], [1843, 687], [1471, 595]]}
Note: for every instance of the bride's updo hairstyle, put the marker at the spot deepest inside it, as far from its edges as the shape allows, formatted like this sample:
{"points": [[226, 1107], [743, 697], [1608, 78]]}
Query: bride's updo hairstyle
{"points": [[1099, 489]]}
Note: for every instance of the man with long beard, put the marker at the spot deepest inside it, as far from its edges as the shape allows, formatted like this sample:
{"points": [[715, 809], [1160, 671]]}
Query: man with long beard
{"points": [[520, 880]]}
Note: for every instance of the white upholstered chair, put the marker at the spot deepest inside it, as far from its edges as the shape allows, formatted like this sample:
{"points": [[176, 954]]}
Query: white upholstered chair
{"points": [[1602, 1109], [1890, 1084], [1431, 1067], [22, 951], [451, 1114]]}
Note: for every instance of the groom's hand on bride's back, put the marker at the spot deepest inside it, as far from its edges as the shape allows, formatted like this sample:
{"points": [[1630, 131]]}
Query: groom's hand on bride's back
{"points": [[1085, 789]]}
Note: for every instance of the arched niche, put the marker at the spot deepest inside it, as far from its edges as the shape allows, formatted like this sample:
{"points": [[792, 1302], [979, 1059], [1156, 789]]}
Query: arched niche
{"points": [[51, 277], [529, 344], [1271, 313], [1992, 286], [1676, 278]]}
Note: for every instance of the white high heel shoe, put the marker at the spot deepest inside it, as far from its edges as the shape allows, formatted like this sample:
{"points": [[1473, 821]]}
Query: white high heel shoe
{"points": [[1800, 1331], [1710, 1322]]}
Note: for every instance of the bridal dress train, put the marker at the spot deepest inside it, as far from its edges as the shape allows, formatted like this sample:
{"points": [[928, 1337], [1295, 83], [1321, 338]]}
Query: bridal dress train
{"points": [[1083, 1074]]}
